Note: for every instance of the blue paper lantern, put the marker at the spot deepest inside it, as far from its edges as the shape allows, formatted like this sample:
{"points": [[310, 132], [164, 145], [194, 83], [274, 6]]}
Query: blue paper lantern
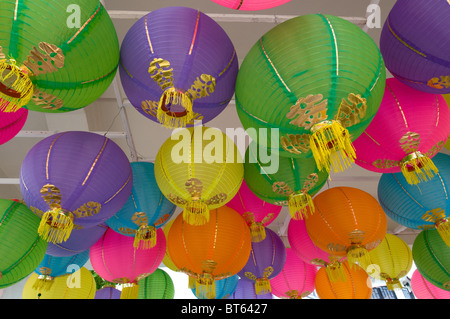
{"points": [[146, 210], [224, 287]]}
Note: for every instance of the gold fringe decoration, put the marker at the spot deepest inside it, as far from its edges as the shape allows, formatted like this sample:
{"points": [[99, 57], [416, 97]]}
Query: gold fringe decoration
{"points": [[443, 228], [393, 283], [257, 231], [130, 291], [205, 287], [192, 282], [170, 119], [417, 167], [293, 294], [145, 237], [262, 286], [43, 283], [196, 213], [335, 270], [331, 146], [56, 225], [299, 205], [358, 254], [16, 88]]}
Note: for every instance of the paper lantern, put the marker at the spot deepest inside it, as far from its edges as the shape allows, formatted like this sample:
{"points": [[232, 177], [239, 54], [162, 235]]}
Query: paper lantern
{"points": [[411, 54], [114, 258], [78, 285], [257, 213], [250, 5], [51, 267], [348, 222], [389, 261], [422, 289], [290, 182], [11, 123], [55, 56], [167, 261], [178, 73], [423, 206], [224, 287], [79, 241], [306, 83], [74, 180], [108, 293], [409, 129], [210, 252], [296, 279], [245, 289], [357, 284], [145, 210], [199, 169], [267, 259], [158, 285], [432, 258], [21, 247]]}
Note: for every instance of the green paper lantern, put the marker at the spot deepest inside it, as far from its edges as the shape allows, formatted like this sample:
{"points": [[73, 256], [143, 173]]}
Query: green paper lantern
{"points": [[21, 248], [288, 182], [314, 83], [431, 256], [55, 55], [158, 285]]}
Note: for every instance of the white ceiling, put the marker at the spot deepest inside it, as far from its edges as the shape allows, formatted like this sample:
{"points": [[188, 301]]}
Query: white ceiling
{"points": [[140, 137]]}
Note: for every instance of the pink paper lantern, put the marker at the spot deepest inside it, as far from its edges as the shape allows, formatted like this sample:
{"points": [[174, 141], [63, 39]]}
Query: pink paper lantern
{"points": [[257, 213], [409, 128], [114, 258], [423, 289], [11, 123], [296, 279], [250, 5]]}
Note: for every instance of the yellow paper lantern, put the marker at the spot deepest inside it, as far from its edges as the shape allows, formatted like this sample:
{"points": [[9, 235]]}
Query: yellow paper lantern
{"points": [[389, 261], [78, 285], [199, 169]]}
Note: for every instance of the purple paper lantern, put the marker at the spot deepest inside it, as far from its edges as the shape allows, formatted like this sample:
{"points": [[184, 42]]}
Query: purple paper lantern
{"points": [[245, 289], [415, 44], [178, 66], [108, 293], [74, 180], [266, 261]]}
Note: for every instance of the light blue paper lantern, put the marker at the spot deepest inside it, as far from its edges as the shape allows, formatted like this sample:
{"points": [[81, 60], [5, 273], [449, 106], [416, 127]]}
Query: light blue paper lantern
{"points": [[146, 210], [224, 287]]}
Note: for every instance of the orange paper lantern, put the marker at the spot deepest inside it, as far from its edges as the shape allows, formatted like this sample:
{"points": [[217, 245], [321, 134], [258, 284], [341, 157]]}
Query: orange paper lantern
{"points": [[347, 222], [357, 284], [212, 251]]}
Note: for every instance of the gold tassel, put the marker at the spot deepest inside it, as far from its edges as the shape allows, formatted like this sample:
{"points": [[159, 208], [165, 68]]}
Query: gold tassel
{"points": [[196, 213], [293, 294], [335, 270], [130, 291], [205, 287], [257, 231], [56, 226], [299, 205], [417, 167], [331, 146], [145, 237], [358, 254], [170, 119], [192, 282], [393, 284], [43, 283], [443, 228], [262, 286], [16, 88]]}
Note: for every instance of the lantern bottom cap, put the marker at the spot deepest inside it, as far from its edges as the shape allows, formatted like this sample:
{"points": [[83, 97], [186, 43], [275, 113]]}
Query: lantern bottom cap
{"points": [[170, 99], [16, 88], [417, 168]]}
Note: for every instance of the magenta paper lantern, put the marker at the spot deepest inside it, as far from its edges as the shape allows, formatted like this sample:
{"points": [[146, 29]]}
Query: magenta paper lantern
{"points": [[296, 280], [423, 289], [409, 128], [74, 180], [257, 213], [250, 5], [415, 44], [114, 258], [178, 66], [11, 123]]}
